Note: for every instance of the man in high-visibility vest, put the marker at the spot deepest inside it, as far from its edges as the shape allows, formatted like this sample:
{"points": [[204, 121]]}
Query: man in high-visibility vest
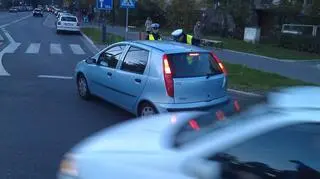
{"points": [[154, 35], [179, 36]]}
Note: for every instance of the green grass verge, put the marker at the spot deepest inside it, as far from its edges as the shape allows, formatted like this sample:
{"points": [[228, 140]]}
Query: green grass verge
{"points": [[96, 36], [244, 78], [258, 49], [266, 50]]}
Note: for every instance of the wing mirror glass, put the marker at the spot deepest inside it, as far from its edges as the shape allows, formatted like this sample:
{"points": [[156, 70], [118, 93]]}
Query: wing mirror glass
{"points": [[91, 60], [202, 169]]}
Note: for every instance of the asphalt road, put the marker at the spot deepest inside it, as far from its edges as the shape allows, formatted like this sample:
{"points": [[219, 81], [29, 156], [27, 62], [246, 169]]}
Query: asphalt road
{"points": [[42, 118]]}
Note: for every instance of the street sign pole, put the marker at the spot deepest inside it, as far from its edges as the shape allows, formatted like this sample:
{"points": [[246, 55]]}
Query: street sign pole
{"points": [[104, 6], [127, 4], [104, 28], [127, 22]]}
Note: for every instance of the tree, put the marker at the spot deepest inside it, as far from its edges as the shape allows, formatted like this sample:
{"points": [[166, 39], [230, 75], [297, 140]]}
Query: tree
{"points": [[67, 3], [239, 9], [315, 10], [180, 13]]}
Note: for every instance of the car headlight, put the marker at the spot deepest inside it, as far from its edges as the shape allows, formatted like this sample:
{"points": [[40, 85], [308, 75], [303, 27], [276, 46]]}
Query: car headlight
{"points": [[68, 166]]}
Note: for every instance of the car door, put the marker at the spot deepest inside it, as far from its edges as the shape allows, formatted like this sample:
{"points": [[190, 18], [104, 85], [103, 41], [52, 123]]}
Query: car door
{"points": [[131, 77], [102, 74], [291, 152]]}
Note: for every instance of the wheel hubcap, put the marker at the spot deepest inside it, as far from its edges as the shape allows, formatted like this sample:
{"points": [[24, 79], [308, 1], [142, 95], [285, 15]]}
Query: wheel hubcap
{"points": [[82, 87], [147, 111]]}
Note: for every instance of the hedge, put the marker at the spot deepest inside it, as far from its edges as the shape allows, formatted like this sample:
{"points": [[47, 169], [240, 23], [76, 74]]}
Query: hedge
{"points": [[301, 42]]}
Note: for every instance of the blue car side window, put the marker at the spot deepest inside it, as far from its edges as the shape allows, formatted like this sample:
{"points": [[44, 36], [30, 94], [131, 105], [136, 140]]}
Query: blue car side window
{"points": [[111, 57]]}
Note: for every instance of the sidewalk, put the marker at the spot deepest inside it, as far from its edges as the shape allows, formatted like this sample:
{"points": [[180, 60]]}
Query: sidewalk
{"points": [[117, 30], [295, 70]]}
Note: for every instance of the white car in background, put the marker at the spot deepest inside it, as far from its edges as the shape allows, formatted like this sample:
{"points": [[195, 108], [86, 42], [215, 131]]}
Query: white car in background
{"points": [[68, 23], [278, 138]]}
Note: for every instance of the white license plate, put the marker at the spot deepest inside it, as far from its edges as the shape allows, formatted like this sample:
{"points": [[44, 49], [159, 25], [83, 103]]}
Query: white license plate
{"points": [[68, 24]]}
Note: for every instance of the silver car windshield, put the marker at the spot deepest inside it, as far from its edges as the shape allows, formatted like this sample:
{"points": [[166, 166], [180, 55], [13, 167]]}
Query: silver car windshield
{"points": [[202, 125]]}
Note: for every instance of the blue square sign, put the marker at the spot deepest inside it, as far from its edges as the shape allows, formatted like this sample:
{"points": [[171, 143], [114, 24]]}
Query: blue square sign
{"points": [[104, 4], [128, 4]]}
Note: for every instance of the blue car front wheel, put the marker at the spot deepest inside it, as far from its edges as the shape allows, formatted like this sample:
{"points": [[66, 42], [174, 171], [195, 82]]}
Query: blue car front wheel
{"points": [[83, 88]]}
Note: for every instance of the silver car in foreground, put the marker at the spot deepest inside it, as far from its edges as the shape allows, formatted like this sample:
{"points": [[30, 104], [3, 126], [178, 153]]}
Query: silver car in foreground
{"points": [[277, 139], [149, 77]]}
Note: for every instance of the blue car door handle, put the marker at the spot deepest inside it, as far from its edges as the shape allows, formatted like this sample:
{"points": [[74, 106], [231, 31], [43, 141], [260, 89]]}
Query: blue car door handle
{"points": [[137, 80], [109, 74]]}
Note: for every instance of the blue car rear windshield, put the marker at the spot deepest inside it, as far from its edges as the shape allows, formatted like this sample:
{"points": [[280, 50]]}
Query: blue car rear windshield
{"points": [[184, 65]]}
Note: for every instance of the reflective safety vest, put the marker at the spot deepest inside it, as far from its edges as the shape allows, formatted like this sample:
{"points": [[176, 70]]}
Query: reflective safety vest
{"points": [[189, 39], [151, 37]]}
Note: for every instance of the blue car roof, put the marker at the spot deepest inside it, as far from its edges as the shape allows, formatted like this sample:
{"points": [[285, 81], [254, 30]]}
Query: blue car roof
{"points": [[170, 46]]}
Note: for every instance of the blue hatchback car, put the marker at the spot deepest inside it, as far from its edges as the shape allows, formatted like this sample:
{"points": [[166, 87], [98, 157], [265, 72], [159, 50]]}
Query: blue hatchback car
{"points": [[149, 77]]}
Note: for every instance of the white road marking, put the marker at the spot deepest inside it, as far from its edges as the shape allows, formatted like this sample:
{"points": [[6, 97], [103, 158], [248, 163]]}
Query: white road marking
{"points": [[33, 48], [50, 21], [76, 49], [56, 77], [55, 49], [15, 21], [1, 38], [6, 33], [11, 48]]}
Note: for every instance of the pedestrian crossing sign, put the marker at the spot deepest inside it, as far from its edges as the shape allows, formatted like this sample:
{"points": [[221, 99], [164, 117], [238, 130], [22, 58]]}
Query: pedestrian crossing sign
{"points": [[128, 3]]}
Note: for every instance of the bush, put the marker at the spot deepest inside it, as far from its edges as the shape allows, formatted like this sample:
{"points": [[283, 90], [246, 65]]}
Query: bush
{"points": [[306, 43], [112, 38]]}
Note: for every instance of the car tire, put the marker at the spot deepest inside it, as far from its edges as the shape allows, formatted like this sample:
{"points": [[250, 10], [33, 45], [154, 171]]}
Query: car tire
{"points": [[83, 89], [146, 109]]}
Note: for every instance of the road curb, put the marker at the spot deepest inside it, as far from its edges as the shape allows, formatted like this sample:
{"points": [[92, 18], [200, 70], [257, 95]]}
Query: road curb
{"points": [[90, 43], [269, 58], [245, 93]]}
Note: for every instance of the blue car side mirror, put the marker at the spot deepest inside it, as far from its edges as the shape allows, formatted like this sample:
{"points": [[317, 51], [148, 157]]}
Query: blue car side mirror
{"points": [[91, 60]]}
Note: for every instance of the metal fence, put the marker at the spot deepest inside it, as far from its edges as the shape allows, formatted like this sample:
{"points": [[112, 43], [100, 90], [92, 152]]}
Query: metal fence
{"points": [[301, 29]]}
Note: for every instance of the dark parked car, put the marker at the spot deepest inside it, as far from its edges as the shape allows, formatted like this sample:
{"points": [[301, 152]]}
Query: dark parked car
{"points": [[13, 9], [37, 12]]}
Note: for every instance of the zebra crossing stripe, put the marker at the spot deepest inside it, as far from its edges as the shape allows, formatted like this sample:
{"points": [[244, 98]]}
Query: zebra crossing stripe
{"points": [[55, 49], [33, 48], [76, 49]]}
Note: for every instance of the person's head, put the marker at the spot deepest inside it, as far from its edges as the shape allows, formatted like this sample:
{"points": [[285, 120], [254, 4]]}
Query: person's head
{"points": [[198, 23], [149, 18], [155, 28], [178, 35]]}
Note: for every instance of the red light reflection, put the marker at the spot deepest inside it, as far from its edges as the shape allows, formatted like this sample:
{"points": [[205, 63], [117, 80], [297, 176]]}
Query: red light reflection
{"points": [[194, 125], [236, 105], [220, 115]]}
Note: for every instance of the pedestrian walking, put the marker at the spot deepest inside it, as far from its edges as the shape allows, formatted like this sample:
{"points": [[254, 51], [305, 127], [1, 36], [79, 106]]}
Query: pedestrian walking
{"points": [[148, 24], [197, 30]]}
